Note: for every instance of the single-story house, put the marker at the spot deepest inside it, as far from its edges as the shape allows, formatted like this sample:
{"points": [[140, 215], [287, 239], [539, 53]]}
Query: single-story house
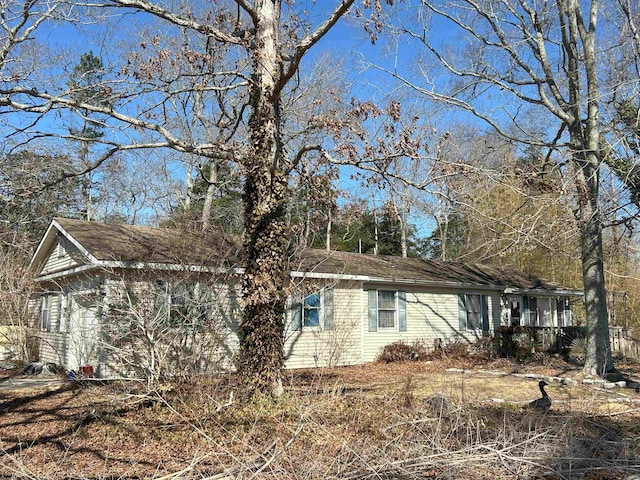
{"points": [[123, 298]]}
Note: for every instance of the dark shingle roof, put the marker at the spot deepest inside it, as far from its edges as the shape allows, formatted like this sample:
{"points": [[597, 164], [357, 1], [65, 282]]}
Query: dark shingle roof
{"points": [[415, 269], [133, 243], [136, 244]]}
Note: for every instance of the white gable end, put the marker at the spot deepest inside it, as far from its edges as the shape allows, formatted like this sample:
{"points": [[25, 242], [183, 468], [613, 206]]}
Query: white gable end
{"points": [[63, 255]]}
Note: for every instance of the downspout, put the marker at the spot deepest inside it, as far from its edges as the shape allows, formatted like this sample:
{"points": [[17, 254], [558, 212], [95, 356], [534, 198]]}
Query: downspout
{"points": [[362, 320], [102, 356]]}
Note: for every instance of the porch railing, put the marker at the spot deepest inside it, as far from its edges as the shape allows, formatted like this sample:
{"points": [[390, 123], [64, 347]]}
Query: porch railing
{"points": [[559, 339]]}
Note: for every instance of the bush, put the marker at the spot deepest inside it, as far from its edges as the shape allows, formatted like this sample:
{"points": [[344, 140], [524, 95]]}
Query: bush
{"points": [[518, 342], [456, 349], [403, 352], [486, 347], [578, 350]]}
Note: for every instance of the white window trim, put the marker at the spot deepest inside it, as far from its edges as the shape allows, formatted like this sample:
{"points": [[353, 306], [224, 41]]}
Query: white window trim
{"points": [[45, 305], [320, 310], [396, 326], [62, 313]]}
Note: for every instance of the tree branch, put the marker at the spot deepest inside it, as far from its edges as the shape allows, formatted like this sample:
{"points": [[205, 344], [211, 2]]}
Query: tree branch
{"points": [[309, 41], [153, 9]]}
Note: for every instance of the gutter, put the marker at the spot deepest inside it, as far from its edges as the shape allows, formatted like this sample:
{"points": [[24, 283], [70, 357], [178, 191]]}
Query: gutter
{"points": [[397, 281], [562, 292], [65, 273]]}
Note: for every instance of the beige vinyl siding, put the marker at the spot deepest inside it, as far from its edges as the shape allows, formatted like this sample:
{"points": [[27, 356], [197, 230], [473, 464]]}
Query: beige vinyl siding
{"points": [[211, 347], [316, 347], [224, 327], [69, 259], [431, 317], [52, 349], [52, 344]]}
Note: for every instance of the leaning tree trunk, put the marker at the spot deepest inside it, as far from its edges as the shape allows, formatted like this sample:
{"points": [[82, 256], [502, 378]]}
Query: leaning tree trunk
{"points": [[261, 356]]}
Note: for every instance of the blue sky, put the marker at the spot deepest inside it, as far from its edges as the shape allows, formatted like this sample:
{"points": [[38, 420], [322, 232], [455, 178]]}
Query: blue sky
{"points": [[347, 41]]}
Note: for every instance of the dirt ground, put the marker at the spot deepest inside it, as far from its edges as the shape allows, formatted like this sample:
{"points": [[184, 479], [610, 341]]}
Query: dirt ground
{"points": [[371, 421]]}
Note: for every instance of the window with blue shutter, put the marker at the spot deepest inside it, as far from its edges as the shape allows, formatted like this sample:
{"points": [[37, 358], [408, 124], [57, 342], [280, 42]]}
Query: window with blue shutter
{"points": [[462, 312], [387, 310], [473, 312], [312, 311]]}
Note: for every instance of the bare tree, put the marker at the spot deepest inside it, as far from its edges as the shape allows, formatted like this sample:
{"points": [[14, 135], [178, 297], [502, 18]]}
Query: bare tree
{"points": [[518, 60], [162, 327], [263, 44], [16, 292]]}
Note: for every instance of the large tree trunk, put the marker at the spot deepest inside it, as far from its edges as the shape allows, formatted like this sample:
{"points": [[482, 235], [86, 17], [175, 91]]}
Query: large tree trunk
{"points": [[261, 355], [598, 358], [585, 139]]}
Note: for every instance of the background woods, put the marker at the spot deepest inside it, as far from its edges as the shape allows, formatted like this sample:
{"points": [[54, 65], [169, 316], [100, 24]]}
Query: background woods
{"points": [[516, 144]]}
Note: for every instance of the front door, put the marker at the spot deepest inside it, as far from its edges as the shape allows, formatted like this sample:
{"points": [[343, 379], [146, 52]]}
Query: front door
{"points": [[515, 311], [83, 332]]}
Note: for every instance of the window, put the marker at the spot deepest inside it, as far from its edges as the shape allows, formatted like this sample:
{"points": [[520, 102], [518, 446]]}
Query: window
{"points": [[533, 311], [45, 313], [387, 310], [62, 310], [182, 304], [313, 311], [564, 312], [473, 312], [515, 312]]}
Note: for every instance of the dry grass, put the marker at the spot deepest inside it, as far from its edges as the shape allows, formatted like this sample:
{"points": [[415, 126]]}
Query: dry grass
{"points": [[378, 421]]}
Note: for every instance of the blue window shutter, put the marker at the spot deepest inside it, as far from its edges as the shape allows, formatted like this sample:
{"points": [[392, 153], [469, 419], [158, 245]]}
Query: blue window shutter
{"points": [[373, 310], [462, 311], [402, 311], [525, 311], [327, 294], [485, 313], [295, 313]]}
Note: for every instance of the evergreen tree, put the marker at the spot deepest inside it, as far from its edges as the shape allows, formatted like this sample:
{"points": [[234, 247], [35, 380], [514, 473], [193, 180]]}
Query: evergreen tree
{"points": [[86, 85]]}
